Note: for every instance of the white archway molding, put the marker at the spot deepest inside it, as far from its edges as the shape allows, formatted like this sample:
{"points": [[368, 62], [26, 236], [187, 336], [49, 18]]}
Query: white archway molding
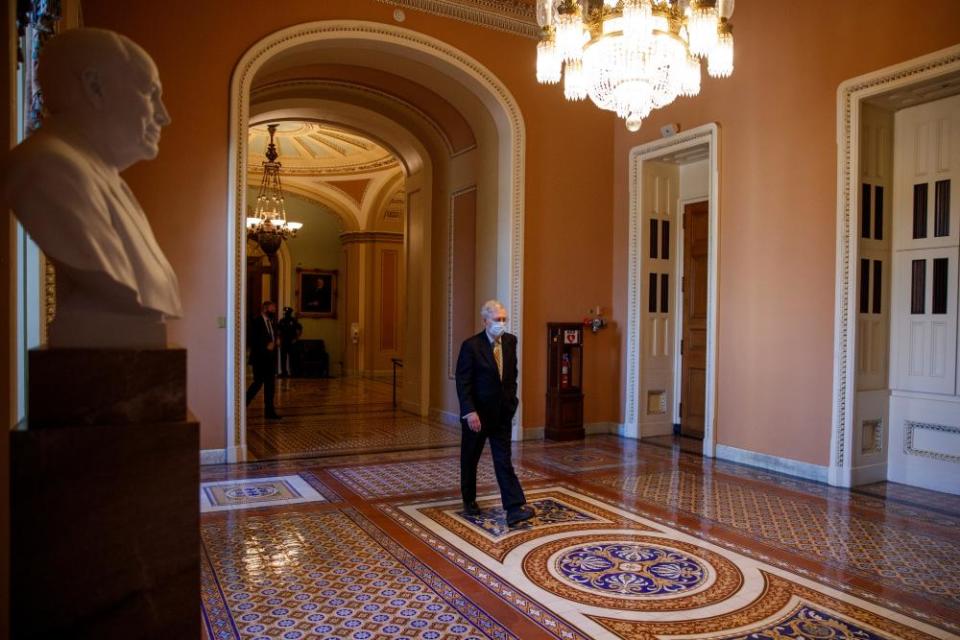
{"points": [[335, 202], [380, 195], [708, 134], [850, 95], [391, 40]]}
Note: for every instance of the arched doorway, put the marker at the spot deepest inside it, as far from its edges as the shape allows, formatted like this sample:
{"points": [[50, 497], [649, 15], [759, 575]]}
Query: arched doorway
{"points": [[499, 208]]}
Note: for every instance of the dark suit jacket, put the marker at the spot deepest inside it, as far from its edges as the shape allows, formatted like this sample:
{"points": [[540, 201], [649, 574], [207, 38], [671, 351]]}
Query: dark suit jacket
{"points": [[479, 386], [258, 337]]}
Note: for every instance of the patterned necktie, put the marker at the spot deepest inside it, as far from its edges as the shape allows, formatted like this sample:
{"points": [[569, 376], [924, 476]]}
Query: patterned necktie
{"points": [[498, 356]]}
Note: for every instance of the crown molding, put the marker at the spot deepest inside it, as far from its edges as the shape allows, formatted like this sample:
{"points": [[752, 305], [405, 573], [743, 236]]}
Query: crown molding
{"points": [[511, 16]]}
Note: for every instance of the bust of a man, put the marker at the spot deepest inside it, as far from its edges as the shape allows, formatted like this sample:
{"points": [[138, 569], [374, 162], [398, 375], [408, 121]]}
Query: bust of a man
{"points": [[114, 285]]}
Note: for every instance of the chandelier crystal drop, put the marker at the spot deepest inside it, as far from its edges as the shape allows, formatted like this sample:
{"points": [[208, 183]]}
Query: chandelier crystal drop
{"points": [[268, 225], [633, 56]]}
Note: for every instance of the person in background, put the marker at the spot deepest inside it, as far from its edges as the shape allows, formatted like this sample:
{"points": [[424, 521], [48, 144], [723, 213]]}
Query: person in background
{"points": [[487, 390], [262, 340], [290, 331]]}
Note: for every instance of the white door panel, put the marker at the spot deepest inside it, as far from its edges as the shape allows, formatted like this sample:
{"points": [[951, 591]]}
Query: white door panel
{"points": [[925, 400]]}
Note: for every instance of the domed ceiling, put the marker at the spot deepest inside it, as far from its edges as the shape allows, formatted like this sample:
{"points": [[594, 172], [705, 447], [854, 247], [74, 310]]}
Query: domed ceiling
{"points": [[349, 174], [311, 148]]}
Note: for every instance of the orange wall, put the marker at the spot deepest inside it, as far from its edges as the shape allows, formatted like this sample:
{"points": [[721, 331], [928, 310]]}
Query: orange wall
{"points": [[777, 117], [568, 204]]}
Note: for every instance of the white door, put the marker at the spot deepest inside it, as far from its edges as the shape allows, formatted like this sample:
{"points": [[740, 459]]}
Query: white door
{"points": [[925, 391]]}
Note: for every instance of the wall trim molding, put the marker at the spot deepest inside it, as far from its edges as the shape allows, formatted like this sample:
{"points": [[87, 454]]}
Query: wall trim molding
{"points": [[850, 94], [237, 453], [708, 134], [523, 22], [789, 466], [351, 237], [870, 473], [213, 456], [477, 78], [601, 428], [909, 437], [451, 365]]}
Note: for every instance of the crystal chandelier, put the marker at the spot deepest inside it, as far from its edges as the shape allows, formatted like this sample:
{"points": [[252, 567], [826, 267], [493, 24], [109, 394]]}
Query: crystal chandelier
{"points": [[633, 56], [268, 225]]}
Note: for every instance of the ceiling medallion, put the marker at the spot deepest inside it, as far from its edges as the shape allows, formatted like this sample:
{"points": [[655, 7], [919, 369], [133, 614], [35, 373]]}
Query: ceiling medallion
{"points": [[633, 56]]}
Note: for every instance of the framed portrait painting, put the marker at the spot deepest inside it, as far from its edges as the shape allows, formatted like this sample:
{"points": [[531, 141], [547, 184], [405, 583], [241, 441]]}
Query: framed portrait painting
{"points": [[316, 293]]}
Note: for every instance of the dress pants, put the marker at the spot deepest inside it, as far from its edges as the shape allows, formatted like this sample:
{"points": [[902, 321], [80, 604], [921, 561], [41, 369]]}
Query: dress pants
{"points": [[263, 376], [471, 448]]}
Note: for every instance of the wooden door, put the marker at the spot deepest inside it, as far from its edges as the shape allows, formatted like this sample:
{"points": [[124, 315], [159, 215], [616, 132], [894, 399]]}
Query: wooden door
{"points": [[696, 229], [262, 282]]}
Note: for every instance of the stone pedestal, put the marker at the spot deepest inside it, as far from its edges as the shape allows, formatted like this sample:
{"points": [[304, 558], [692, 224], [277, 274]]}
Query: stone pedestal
{"points": [[105, 498]]}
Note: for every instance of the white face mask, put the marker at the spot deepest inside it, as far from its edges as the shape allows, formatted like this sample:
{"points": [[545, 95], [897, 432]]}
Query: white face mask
{"points": [[497, 328]]}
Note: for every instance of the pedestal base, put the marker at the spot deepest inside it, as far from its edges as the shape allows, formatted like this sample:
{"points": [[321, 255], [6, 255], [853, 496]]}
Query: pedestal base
{"points": [[105, 507]]}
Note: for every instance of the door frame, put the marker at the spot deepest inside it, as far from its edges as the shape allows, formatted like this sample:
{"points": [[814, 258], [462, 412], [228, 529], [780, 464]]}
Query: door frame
{"points": [[678, 296], [850, 94], [708, 134], [492, 93]]}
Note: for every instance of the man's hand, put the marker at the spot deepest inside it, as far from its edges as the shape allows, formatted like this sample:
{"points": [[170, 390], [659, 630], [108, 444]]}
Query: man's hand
{"points": [[473, 421], [270, 346]]}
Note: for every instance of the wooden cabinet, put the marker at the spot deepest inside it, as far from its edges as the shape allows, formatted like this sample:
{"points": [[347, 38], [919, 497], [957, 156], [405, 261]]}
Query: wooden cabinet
{"points": [[564, 381]]}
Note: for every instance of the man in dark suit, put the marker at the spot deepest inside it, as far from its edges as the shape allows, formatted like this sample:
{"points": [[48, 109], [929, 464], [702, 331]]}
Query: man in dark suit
{"points": [[262, 340], [487, 389]]}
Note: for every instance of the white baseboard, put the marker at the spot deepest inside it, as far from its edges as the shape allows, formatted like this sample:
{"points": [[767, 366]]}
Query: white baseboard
{"points": [[236, 454], [213, 456], [806, 470], [868, 474], [625, 430]]}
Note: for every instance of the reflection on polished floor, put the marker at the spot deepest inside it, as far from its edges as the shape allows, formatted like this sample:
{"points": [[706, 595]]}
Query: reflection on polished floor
{"points": [[631, 540], [335, 416]]}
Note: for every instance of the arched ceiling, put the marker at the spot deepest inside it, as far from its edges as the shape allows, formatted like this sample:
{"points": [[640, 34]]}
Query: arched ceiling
{"points": [[312, 148], [344, 171]]}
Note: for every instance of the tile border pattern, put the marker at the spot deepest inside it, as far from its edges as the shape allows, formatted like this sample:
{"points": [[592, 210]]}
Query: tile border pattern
{"points": [[823, 578], [221, 626]]}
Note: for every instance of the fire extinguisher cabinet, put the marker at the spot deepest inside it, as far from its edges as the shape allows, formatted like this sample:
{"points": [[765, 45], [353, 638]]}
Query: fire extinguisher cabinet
{"points": [[564, 381]]}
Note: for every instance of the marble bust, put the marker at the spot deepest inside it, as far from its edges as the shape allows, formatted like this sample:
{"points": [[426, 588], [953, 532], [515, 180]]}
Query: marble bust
{"points": [[114, 285]]}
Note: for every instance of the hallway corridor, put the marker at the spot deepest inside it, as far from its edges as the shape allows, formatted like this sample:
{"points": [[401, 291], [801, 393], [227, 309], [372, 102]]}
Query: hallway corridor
{"points": [[630, 541], [337, 416]]}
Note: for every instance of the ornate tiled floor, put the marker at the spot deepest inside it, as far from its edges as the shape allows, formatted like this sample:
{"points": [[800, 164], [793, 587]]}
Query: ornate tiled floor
{"points": [[338, 416], [630, 540]]}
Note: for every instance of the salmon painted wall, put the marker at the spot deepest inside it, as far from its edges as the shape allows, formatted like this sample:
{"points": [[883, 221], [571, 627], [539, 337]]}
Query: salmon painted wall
{"points": [[568, 233], [777, 117]]}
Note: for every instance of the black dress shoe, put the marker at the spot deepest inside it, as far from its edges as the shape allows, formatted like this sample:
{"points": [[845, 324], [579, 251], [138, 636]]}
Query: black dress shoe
{"points": [[273, 416], [519, 515], [471, 508]]}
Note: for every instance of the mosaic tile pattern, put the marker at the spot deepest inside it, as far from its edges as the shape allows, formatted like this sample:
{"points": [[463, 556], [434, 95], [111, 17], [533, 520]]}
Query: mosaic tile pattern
{"points": [[579, 460], [311, 436], [256, 492], [709, 592], [562, 513], [814, 534], [945, 502], [326, 575], [381, 480], [923, 563], [492, 519], [638, 573], [809, 622], [338, 416]]}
